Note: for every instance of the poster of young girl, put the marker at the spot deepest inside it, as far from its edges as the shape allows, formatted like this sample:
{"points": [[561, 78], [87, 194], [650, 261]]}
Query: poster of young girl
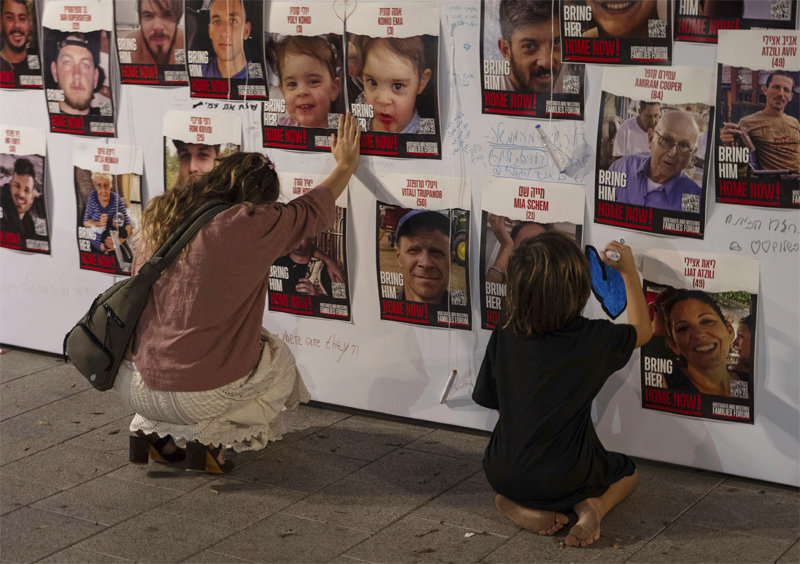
{"points": [[312, 279], [20, 66], [394, 49], [514, 211], [702, 20], [758, 137], [77, 47], [521, 64], [224, 49], [621, 33], [150, 35], [700, 361], [194, 140], [108, 194], [653, 149], [422, 249], [304, 45], [23, 223]]}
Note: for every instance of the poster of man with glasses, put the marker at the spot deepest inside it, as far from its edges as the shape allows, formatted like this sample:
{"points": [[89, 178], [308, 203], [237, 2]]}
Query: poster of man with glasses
{"points": [[658, 187]]}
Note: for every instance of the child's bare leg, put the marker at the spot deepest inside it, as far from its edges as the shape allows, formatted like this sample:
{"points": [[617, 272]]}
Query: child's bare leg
{"points": [[534, 520], [591, 511]]}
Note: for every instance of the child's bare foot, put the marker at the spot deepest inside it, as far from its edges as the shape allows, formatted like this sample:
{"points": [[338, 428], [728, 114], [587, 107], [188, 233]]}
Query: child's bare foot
{"points": [[587, 529], [534, 520]]}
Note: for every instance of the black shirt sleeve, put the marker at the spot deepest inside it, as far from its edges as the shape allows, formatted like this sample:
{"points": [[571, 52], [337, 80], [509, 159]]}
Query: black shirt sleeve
{"points": [[485, 391]]}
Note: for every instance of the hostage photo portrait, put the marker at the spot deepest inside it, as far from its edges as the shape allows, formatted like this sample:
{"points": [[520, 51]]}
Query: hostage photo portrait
{"points": [[20, 66], [150, 36], [520, 58], [702, 20]]}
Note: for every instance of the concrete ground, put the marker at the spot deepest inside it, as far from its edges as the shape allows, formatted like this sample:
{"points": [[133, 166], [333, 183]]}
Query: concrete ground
{"points": [[341, 487]]}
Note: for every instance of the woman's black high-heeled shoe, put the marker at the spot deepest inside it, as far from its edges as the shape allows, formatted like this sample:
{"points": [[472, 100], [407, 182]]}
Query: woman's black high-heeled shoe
{"points": [[144, 448], [200, 458]]}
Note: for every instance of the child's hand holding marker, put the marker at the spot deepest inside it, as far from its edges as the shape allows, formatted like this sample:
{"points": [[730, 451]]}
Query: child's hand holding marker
{"points": [[619, 256], [613, 255]]}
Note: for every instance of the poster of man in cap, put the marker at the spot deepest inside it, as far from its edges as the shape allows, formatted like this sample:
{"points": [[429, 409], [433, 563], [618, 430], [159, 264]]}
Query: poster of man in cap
{"points": [[76, 66], [20, 65]]}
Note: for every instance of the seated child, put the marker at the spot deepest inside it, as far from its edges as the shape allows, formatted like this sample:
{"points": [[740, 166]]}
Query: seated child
{"points": [[394, 74], [308, 80], [544, 365]]}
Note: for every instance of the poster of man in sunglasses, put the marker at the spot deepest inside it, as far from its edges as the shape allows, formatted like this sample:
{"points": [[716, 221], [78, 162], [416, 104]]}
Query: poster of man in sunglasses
{"points": [[660, 187]]}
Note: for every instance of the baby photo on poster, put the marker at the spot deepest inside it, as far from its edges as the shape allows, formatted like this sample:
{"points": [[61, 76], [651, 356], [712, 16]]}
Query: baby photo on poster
{"points": [[520, 57], [20, 65]]}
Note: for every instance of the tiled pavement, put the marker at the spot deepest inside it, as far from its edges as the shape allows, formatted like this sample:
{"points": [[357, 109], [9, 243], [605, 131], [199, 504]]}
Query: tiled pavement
{"points": [[341, 487]]}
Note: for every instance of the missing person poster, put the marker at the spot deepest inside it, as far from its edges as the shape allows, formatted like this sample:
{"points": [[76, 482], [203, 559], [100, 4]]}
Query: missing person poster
{"points": [[23, 223], [653, 149], [622, 33], [758, 136], [20, 65], [422, 248], [312, 279], [225, 49], [77, 39], [520, 55], [700, 361], [393, 67], [304, 44], [150, 35], [193, 141], [108, 193], [514, 211], [702, 20]]}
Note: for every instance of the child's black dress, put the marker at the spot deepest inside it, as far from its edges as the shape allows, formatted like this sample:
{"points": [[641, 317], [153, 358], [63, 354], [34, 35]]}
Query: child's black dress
{"points": [[544, 451]]}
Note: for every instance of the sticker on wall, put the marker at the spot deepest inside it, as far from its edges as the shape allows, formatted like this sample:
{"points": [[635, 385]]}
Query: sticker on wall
{"points": [[150, 36], [513, 211], [700, 361], [758, 137], [23, 224], [108, 195], [520, 57], [20, 65], [653, 149], [702, 20], [77, 41]]}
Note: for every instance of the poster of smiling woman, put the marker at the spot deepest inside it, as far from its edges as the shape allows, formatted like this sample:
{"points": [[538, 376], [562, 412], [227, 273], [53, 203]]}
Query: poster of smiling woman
{"points": [[20, 66], [108, 193], [77, 43]]}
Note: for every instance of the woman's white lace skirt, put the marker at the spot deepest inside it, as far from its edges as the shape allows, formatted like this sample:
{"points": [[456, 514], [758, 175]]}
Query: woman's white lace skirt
{"points": [[244, 415]]}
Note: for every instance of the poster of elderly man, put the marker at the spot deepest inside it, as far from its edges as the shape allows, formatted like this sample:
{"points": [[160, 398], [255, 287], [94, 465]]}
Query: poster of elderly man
{"points": [[660, 188], [108, 193], [23, 223], [20, 66], [76, 66], [150, 42]]}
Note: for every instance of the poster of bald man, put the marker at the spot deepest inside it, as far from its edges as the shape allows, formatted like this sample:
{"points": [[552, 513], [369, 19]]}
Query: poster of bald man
{"points": [[20, 65], [150, 36], [108, 195], [653, 149], [701, 20], [758, 134], [77, 43], [521, 64], [225, 49], [514, 211], [23, 215]]}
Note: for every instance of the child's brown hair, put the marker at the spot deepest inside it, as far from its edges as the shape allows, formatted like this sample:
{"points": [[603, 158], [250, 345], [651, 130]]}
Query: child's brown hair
{"points": [[409, 48], [547, 284], [318, 48]]}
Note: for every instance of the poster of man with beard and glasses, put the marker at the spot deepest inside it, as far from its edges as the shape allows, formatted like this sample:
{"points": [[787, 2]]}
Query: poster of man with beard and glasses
{"points": [[701, 359], [77, 41], [150, 42], [108, 193], [622, 32], [521, 62], [758, 137], [23, 222], [20, 66], [702, 20]]}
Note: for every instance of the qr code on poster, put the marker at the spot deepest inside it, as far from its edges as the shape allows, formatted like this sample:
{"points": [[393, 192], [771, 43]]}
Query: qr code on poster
{"points": [[690, 203], [572, 84], [656, 28], [338, 290], [427, 126], [780, 9], [458, 298]]}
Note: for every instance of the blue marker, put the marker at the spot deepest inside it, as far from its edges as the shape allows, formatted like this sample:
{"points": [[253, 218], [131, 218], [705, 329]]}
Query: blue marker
{"points": [[614, 255], [550, 149]]}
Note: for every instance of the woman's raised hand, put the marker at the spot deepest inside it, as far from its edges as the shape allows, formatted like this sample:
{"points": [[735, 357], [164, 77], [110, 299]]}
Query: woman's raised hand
{"points": [[346, 143]]}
